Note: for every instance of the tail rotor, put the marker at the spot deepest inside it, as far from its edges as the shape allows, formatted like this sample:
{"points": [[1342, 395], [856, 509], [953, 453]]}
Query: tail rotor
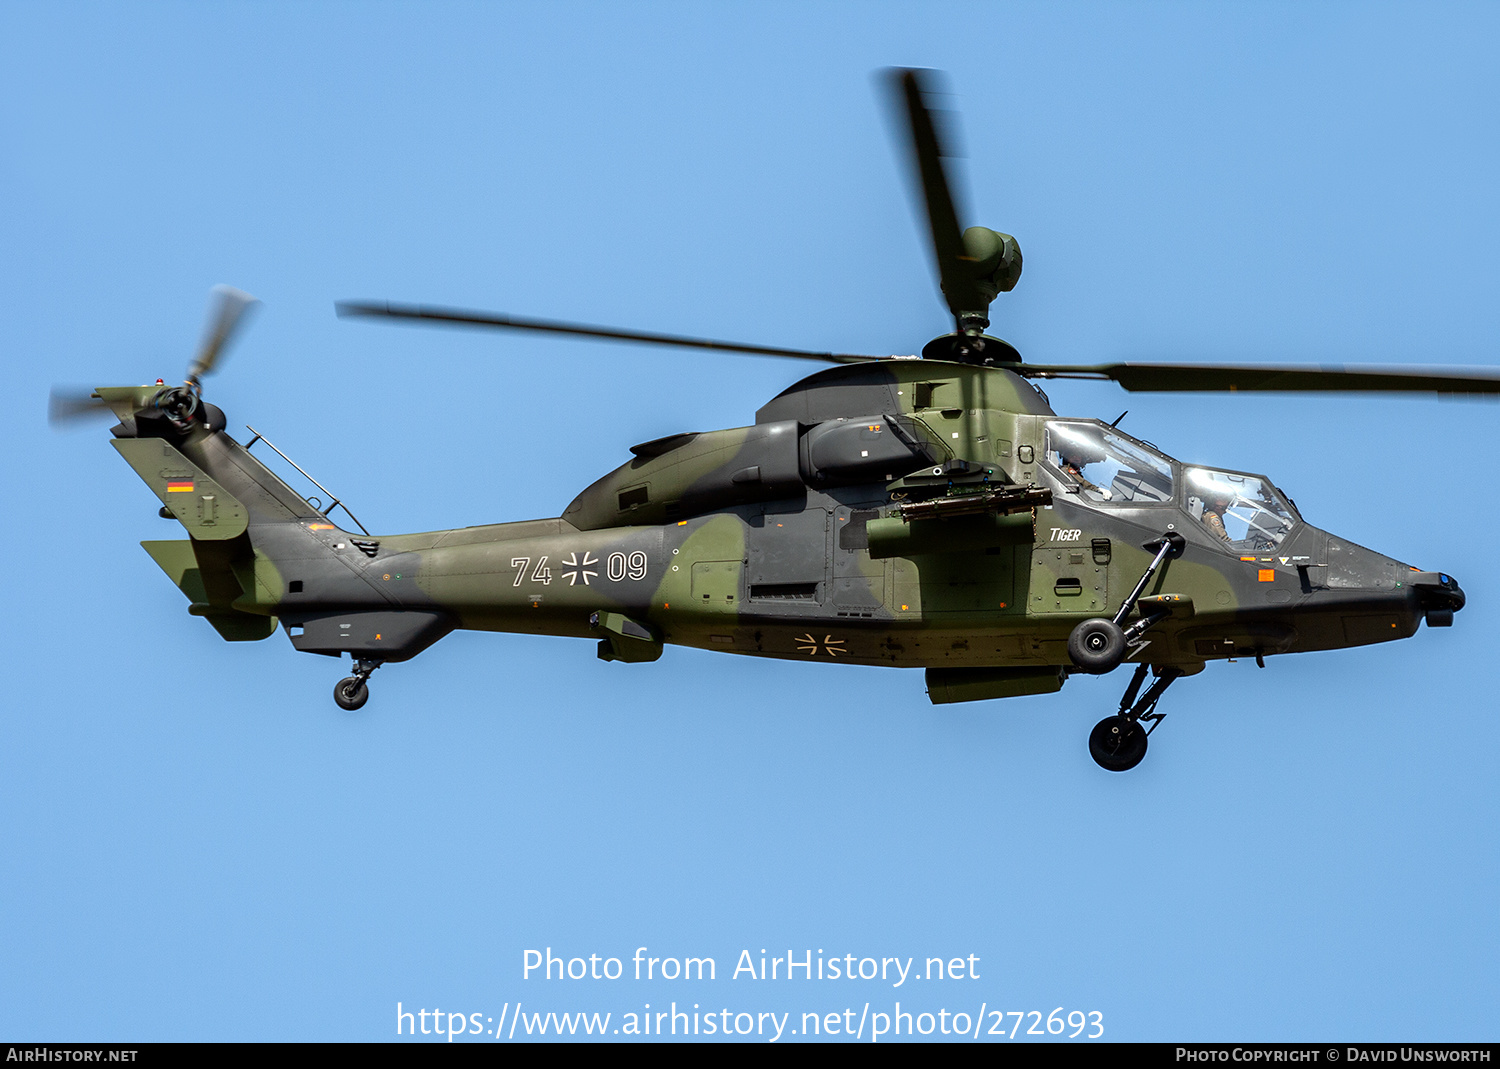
{"points": [[181, 405]]}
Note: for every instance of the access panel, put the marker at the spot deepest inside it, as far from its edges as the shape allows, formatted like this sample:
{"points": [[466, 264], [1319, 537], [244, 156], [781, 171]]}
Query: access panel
{"points": [[1067, 580]]}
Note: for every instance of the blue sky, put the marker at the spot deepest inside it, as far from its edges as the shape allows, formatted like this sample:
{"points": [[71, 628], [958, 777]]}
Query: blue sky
{"points": [[199, 845]]}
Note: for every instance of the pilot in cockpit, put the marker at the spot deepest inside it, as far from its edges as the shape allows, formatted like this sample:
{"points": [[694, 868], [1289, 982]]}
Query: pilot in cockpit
{"points": [[1216, 503], [1072, 458]]}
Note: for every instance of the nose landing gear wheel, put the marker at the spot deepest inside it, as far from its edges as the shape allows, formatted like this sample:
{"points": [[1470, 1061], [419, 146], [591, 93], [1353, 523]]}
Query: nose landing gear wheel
{"points": [[1117, 743], [351, 693]]}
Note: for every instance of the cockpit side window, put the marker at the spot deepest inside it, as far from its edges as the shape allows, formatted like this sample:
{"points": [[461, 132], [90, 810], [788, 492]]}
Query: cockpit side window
{"points": [[1107, 468], [1243, 511]]}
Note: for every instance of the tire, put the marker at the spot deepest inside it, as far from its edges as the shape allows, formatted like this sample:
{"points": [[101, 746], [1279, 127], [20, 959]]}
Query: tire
{"points": [[1097, 646], [1117, 743], [351, 693]]}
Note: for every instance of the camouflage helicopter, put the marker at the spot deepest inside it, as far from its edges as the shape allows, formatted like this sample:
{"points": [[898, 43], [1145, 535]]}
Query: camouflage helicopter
{"points": [[923, 511]]}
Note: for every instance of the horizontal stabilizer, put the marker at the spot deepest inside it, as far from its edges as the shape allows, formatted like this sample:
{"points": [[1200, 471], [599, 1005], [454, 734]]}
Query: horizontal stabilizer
{"points": [[177, 559]]}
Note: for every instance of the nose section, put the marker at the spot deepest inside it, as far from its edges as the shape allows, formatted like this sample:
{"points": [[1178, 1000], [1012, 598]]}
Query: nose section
{"points": [[1438, 596], [1360, 582]]}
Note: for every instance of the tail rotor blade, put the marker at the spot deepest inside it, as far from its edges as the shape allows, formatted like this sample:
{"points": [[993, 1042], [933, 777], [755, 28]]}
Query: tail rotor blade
{"points": [[226, 311], [67, 406]]}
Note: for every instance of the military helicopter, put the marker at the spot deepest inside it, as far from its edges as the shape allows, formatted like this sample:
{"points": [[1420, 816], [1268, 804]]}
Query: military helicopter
{"points": [[923, 511]]}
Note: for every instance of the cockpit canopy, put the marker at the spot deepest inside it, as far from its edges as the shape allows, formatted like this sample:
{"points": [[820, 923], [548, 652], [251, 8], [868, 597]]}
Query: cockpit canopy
{"points": [[1244, 510], [1106, 466], [1109, 469]]}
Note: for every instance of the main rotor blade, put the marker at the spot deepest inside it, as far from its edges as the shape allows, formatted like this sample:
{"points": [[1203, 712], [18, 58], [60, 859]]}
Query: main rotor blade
{"points": [[226, 310], [461, 318], [1202, 378], [942, 217]]}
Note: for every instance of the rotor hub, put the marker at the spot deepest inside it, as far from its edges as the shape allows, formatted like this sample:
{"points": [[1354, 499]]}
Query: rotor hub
{"points": [[178, 403], [971, 349]]}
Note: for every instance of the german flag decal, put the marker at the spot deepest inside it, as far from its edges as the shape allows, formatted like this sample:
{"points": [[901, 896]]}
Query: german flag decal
{"points": [[179, 486]]}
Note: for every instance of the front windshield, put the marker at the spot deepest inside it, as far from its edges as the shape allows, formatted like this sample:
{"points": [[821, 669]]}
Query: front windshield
{"points": [[1106, 467], [1244, 512]]}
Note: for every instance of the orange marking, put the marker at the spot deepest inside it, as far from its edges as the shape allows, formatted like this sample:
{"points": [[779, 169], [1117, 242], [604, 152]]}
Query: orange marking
{"points": [[1247, 558], [1267, 575], [320, 527]]}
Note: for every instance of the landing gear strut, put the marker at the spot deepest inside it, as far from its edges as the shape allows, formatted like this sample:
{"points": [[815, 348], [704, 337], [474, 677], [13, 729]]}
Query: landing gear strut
{"points": [[352, 692], [1098, 646], [1118, 742]]}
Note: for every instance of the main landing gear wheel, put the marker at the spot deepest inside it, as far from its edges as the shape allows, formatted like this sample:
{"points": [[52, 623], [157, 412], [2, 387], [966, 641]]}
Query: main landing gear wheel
{"points": [[1097, 646], [1117, 743], [351, 693]]}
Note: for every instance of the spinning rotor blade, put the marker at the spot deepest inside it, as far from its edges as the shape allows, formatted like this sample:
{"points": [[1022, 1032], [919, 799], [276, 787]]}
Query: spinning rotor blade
{"points": [[66, 406], [227, 311], [1201, 378], [942, 217], [459, 317]]}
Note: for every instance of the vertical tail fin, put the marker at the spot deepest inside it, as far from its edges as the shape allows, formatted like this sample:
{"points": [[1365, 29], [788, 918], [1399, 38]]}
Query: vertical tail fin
{"points": [[220, 493]]}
